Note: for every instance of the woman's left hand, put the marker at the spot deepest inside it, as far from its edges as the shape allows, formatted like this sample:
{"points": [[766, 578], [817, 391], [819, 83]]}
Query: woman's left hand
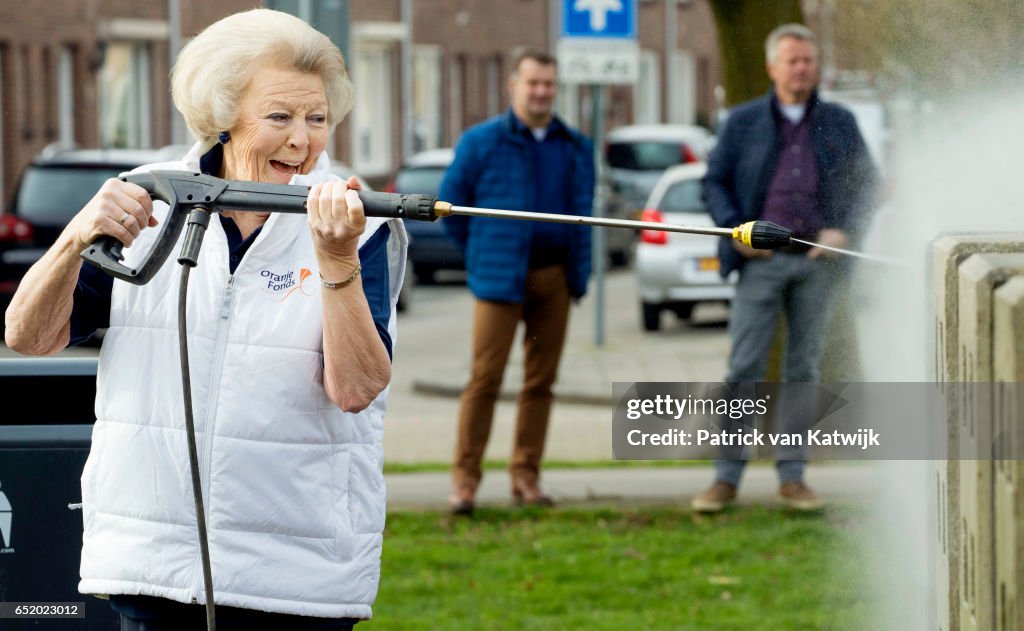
{"points": [[336, 217]]}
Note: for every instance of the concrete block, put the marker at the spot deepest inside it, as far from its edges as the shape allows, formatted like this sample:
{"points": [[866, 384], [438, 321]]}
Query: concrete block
{"points": [[1008, 337], [948, 252], [979, 276]]}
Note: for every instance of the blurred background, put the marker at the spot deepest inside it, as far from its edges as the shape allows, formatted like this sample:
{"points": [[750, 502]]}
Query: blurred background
{"points": [[84, 94]]}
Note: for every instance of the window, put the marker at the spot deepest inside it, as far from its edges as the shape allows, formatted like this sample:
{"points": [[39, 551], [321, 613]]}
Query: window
{"points": [[66, 96], [49, 93], [124, 90], [330, 17], [683, 197], [24, 95], [645, 155], [647, 90], [682, 84], [372, 115], [493, 88], [567, 103], [426, 97], [456, 70], [425, 180], [52, 195]]}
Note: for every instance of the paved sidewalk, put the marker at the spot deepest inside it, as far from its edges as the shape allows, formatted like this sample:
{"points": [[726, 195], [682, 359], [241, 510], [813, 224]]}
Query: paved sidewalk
{"points": [[432, 366], [695, 351], [836, 483], [432, 359]]}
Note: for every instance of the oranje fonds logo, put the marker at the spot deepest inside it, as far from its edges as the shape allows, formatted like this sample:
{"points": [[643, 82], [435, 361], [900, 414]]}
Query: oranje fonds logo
{"points": [[283, 285]]}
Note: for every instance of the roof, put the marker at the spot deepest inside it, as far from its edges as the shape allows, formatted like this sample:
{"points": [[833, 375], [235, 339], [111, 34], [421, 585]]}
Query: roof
{"points": [[128, 158], [634, 133], [430, 158]]}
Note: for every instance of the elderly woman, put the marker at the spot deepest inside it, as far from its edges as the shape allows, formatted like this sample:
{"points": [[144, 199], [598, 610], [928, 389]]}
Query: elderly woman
{"points": [[291, 322]]}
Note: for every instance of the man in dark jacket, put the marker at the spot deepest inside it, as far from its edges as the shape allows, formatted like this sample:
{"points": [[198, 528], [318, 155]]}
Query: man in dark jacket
{"points": [[525, 159], [788, 158]]}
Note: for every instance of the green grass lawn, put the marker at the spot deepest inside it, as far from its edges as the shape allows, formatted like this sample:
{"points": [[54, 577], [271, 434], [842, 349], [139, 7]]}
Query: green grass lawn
{"points": [[752, 568]]}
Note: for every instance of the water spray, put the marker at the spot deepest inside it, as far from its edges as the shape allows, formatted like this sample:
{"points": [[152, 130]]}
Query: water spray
{"points": [[867, 257]]}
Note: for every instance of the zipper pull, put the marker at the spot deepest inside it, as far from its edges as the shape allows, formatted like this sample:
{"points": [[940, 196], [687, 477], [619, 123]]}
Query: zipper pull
{"points": [[225, 309]]}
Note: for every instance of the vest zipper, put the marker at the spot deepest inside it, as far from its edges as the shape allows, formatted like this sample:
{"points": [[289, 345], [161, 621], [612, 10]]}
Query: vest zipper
{"points": [[211, 412]]}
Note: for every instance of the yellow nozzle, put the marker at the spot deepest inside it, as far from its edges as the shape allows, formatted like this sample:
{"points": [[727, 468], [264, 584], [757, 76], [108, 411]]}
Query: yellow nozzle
{"points": [[743, 233], [442, 209], [762, 235]]}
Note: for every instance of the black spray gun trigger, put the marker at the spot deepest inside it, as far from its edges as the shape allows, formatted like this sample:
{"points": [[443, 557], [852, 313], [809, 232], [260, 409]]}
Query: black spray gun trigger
{"points": [[180, 190], [185, 192]]}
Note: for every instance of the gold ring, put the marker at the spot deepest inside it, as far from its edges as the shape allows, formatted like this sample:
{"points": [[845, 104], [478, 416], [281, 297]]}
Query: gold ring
{"points": [[124, 219]]}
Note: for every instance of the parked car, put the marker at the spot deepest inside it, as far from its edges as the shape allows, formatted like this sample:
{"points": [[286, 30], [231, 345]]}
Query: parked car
{"points": [[344, 171], [52, 189], [676, 271], [638, 155], [430, 247]]}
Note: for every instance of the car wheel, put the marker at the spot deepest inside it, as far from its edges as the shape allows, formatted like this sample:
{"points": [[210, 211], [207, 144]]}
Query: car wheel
{"points": [[651, 316], [684, 311], [408, 284], [619, 258], [425, 275]]}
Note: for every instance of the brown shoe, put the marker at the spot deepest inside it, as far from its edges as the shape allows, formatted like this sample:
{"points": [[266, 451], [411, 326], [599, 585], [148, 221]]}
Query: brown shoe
{"points": [[462, 501], [799, 496], [529, 494], [715, 498]]}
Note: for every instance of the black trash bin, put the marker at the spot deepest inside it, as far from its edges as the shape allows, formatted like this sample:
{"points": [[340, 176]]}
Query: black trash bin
{"points": [[46, 416]]}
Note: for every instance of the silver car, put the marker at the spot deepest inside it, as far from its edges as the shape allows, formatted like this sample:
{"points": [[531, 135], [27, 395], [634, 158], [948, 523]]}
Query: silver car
{"points": [[676, 271], [638, 155]]}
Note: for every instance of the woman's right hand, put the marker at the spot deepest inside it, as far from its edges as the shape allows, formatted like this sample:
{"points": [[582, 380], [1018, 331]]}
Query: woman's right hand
{"points": [[119, 209], [38, 320]]}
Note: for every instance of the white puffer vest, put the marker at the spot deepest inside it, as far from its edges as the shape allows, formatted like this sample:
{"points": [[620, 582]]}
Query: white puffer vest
{"points": [[293, 487]]}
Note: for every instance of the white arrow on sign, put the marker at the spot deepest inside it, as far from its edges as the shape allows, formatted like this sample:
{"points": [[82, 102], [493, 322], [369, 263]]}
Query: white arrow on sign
{"points": [[599, 10]]}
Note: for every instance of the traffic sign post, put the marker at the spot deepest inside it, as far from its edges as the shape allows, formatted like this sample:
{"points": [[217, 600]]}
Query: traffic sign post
{"points": [[598, 46], [598, 43]]}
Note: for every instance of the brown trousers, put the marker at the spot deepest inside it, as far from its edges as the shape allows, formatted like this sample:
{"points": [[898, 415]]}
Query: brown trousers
{"points": [[545, 310]]}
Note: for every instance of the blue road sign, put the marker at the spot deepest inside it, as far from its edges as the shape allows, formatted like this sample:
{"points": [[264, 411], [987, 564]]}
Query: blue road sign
{"points": [[599, 18]]}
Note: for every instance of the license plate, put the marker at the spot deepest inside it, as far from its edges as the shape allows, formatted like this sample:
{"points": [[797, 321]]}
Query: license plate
{"points": [[708, 264]]}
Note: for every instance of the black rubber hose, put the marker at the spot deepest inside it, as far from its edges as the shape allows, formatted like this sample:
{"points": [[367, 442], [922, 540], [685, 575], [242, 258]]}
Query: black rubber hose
{"points": [[193, 457]]}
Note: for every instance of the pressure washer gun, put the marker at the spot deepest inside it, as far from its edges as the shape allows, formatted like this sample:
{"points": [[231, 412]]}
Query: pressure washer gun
{"points": [[192, 197]]}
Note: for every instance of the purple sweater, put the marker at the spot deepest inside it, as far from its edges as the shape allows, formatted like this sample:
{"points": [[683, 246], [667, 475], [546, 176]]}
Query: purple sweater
{"points": [[792, 196]]}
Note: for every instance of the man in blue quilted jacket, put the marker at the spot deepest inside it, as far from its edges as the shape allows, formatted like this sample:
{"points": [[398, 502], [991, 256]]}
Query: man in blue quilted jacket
{"points": [[524, 159]]}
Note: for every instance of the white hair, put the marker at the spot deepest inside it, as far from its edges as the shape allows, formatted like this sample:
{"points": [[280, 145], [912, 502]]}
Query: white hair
{"points": [[214, 69], [779, 33]]}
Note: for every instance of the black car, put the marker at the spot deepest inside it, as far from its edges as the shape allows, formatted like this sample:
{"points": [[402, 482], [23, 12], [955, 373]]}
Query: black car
{"points": [[53, 188], [430, 247]]}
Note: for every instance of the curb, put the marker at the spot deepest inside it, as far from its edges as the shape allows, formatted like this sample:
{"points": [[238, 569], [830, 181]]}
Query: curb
{"points": [[449, 391]]}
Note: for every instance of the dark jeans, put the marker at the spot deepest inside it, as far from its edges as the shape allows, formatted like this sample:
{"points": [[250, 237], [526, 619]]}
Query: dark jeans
{"points": [[142, 613], [329, 624], [802, 289]]}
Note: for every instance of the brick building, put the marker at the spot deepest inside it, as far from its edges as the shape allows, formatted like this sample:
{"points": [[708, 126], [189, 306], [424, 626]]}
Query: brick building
{"points": [[91, 72], [94, 72]]}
